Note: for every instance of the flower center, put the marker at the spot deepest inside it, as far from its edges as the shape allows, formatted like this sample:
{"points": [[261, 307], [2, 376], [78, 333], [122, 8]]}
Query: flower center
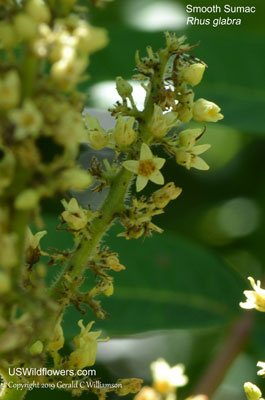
{"points": [[146, 167], [28, 120], [212, 112]]}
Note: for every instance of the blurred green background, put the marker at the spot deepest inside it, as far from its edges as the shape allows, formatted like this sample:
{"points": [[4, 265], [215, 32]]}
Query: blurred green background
{"points": [[181, 290]]}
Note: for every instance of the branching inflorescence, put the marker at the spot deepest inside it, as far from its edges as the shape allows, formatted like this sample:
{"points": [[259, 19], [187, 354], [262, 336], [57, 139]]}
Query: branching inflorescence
{"points": [[45, 52]]}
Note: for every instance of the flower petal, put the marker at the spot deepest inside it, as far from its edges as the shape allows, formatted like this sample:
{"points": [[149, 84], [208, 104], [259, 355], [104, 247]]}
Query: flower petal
{"points": [[141, 182], [159, 162], [131, 165], [200, 149], [145, 153], [157, 178], [199, 163]]}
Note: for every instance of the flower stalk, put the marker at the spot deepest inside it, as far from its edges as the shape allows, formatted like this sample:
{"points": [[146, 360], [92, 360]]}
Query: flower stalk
{"points": [[40, 106]]}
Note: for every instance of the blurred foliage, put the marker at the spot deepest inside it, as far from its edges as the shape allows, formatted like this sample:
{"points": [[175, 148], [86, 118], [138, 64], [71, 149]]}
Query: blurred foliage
{"points": [[194, 274]]}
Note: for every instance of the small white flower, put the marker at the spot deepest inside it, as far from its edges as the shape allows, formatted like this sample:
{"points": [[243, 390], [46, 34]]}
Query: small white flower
{"points": [[188, 154], [204, 110], [255, 298], [167, 378], [147, 168], [28, 120]]}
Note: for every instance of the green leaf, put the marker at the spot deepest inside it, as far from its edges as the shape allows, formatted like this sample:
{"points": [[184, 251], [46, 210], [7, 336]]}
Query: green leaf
{"points": [[170, 283]]}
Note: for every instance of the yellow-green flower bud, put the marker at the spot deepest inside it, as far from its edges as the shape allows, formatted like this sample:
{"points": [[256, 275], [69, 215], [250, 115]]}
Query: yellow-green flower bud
{"points": [[252, 391], [86, 344], [74, 215], [38, 10], [27, 200], [204, 110], [32, 246], [5, 283], [163, 196], [124, 134], [8, 37], [98, 137], [193, 73], [36, 348], [25, 26], [161, 122], [188, 137], [9, 90], [76, 179], [123, 87], [114, 264]]}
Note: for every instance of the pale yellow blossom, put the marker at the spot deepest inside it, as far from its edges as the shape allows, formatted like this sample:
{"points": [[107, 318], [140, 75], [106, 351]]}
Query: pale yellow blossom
{"points": [[167, 378], [124, 134], [74, 214], [98, 137], [252, 391], [113, 263], [188, 154], [28, 120], [161, 122], [86, 344], [193, 73], [146, 168], [255, 298], [204, 110], [163, 196], [33, 241]]}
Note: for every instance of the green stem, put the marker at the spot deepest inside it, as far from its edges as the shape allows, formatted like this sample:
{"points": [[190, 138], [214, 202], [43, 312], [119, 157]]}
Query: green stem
{"points": [[11, 393], [112, 206]]}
